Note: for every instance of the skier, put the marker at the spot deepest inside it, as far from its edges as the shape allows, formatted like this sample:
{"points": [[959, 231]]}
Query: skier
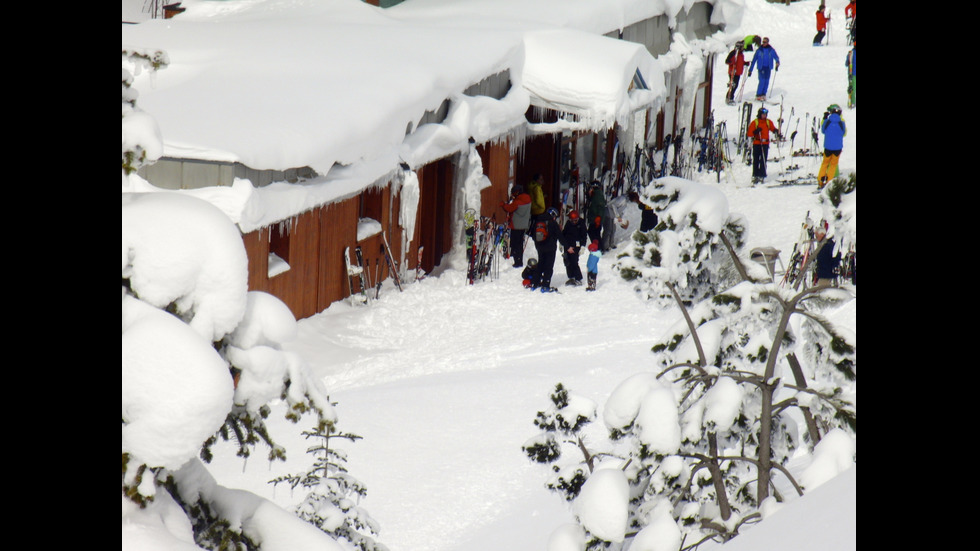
{"points": [[850, 12], [537, 196], [547, 236], [750, 40], [851, 63], [736, 64], [518, 220], [575, 233], [834, 130], [648, 217], [827, 261], [766, 58], [592, 266], [822, 20], [612, 218], [531, 274], [596, 209], [759, 130]]}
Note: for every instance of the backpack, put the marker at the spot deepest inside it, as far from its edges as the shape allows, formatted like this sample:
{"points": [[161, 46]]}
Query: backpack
{"points": [[540, 230]]}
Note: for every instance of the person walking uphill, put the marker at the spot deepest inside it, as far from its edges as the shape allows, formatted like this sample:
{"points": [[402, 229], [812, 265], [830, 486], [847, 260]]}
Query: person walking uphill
{"points": [[822, 20], [736, 65], [518, 220], [834, 130], [759, 131], [547, 236], [766, 59]]}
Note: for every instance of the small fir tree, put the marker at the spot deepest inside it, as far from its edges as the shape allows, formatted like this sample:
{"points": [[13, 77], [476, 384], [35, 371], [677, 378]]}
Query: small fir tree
{"points": [[331, 502]]}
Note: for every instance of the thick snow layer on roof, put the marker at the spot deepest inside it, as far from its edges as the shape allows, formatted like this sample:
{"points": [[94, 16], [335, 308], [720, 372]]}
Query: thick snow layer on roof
{"points": [[282, 84], [557, 59]]}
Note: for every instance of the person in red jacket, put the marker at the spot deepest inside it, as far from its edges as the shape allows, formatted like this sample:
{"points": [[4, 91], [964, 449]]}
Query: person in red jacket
{"points": [[759, 131], [736, 64], [822, 19]]}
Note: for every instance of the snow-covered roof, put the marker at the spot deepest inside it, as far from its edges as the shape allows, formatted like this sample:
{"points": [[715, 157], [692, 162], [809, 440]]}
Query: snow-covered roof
{"points": [[281, 84], [341, 86], [557, 59]]}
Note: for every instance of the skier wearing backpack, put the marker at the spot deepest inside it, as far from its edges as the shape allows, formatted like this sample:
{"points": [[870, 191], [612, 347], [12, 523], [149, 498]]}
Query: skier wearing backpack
{"points": [[766, 58], [518, 220], [834, 130], [575, 234], [736, 65], [547, 235]]}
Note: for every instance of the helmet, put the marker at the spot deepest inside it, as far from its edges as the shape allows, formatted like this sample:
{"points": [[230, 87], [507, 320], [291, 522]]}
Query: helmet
{"points": [[532, 262], [762, 111], [573, 215], [834, 108], [552, 212]]}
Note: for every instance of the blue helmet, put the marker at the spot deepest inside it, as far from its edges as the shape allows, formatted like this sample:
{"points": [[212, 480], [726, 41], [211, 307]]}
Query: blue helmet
{"points": [[552, 212]]}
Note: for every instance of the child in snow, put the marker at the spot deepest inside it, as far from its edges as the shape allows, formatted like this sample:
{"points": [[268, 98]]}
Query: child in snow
{"points": [[593, 264], [531, 275]]}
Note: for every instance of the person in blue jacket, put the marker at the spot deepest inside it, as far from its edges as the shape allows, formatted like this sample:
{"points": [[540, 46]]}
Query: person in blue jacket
{"points": [[834, 130], [766, 59]]}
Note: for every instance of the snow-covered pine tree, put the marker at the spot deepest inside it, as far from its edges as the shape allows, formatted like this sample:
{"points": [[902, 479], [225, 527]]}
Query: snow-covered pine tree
{"points": [[200, 354], [331, 502], [140, 134], [685, 251], [561, 424], [724, 414]]}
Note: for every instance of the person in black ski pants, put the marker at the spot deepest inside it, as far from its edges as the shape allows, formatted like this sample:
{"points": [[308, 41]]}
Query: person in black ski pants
{"points": [[548, 247], [648, 217], [827, 261], [575, 233]]}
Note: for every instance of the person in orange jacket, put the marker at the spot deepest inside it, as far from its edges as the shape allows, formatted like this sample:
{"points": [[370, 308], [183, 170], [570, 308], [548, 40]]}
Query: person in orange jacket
{"points": [[822, 19], [759, 130]]}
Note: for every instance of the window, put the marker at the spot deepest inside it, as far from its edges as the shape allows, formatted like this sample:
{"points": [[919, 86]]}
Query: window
{"points": [[278, 249]]}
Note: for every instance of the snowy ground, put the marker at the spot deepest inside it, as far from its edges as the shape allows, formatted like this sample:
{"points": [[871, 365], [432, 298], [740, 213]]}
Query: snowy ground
{"points": [[443, 380]]}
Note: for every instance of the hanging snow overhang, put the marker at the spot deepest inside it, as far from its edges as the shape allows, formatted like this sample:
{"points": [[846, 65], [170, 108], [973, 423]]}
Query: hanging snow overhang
{"points": [[593, 81]]}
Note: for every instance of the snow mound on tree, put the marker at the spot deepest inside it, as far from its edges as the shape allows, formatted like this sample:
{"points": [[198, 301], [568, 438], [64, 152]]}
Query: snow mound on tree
{"points": [[603, 504], [176, 389], [182, 250]]}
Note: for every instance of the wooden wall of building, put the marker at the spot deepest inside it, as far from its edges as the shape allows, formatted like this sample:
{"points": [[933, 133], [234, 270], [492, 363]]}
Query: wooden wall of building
{"points": [[314, 249], [496, 165]]}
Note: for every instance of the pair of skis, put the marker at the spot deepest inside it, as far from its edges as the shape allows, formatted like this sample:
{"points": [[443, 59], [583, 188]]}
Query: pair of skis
{"points": [[358, 271]]}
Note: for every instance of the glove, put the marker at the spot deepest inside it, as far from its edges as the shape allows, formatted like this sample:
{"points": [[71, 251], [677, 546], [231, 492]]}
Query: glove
{"points": [[750, 73], [757, 132], [777, 67]]}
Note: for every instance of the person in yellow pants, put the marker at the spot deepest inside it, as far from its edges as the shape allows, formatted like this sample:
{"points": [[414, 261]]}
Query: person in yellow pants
{"points": [[834, 130]]}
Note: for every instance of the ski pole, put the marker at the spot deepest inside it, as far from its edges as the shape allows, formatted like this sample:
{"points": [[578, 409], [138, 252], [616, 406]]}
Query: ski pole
{"points": [[772, 83]]}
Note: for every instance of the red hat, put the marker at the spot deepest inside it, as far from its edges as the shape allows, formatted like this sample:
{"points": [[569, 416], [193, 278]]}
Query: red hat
{"points": [[573, 215], [593, 246]]}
